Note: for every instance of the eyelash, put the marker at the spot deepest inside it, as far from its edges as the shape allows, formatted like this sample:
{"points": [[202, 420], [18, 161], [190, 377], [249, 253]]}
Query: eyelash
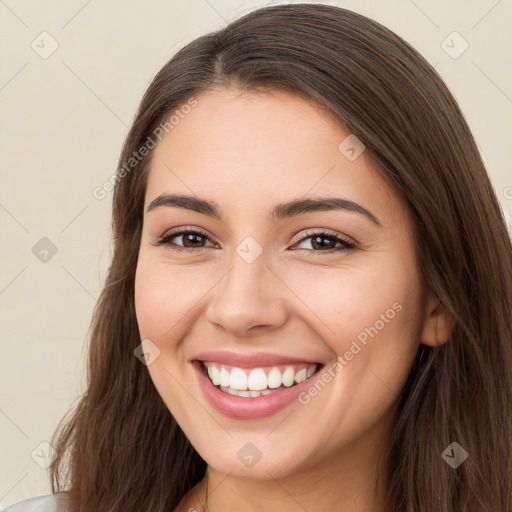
{"points": [[166, 240]]}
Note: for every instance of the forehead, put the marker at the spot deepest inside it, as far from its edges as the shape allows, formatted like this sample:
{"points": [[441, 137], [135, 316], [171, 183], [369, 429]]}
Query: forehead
{"points": [[270, 125], [243, 148]]}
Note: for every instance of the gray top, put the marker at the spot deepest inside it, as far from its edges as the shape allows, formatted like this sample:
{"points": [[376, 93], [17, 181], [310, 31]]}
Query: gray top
{"points": [[50, 503]]}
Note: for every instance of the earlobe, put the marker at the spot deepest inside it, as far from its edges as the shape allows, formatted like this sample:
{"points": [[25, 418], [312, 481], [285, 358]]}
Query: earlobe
{"points": [[438, 325]]}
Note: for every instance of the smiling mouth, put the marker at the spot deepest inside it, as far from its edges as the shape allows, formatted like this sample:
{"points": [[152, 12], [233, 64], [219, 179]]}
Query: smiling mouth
{"points": [[254, 382]]}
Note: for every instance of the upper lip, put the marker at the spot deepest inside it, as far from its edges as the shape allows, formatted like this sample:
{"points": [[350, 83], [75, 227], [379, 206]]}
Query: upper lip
{"points": [[249, 360]]}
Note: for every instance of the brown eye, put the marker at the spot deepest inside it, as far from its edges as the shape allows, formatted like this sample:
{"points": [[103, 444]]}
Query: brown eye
{"points": [[323, 242], [192, 240]]}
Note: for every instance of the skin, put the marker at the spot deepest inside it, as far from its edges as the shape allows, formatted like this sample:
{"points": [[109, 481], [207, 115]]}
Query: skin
{"points": [[247, 151]]}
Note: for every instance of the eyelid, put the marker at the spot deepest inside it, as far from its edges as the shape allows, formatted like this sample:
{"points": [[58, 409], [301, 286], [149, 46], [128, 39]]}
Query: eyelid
{"points": [[304, 234], [348, 243], [309, 232], [180, 232]]}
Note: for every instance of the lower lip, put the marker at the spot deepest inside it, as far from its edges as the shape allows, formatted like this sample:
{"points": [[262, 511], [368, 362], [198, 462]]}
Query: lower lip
{"points": [[249, 408]]}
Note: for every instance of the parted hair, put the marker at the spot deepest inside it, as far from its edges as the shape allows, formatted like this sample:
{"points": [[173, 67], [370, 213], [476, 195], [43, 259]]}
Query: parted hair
{"points": [[119, 447]]}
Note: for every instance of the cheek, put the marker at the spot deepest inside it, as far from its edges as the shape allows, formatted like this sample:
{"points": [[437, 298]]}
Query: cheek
{"points": [[371, 318], [162, 302], [347, 300], [164, 296]]}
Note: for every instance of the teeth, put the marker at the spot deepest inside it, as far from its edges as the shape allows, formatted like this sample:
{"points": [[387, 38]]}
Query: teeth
{"points": [[274, 378], [256, 382], [301, 375], [288, 376], [214, 374], [246, 393], [224, 377], [238, 379]]}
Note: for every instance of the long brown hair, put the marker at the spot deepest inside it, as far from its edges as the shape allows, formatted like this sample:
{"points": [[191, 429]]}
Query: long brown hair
{"points": [[121, 449]]}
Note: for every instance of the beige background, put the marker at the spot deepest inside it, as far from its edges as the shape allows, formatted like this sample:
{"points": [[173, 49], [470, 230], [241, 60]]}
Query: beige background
{"points": [[63, 120]]}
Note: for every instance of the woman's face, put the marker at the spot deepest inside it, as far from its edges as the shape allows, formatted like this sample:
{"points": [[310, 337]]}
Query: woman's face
{"points": [[261, 281]]}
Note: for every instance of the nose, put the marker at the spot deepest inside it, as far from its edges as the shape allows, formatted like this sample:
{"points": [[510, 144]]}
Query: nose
{"points": [[249, 300]]}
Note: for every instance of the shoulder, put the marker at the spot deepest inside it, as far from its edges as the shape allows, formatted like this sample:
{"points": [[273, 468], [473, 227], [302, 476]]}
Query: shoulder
{"points": [[50, 503]]}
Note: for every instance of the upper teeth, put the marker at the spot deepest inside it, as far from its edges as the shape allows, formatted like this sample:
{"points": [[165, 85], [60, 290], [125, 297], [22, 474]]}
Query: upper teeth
{"points": [[257, 379]]}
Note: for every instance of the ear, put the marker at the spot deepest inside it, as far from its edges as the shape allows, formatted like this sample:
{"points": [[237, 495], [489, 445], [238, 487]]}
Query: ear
{"points": [[438, 324]]}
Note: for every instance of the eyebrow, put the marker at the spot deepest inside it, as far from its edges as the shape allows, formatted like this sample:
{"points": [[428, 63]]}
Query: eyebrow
{"points": [[279, 211]]}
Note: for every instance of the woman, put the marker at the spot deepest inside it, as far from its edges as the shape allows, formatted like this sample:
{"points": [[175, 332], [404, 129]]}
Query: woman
{"points": [[309, 302]]}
